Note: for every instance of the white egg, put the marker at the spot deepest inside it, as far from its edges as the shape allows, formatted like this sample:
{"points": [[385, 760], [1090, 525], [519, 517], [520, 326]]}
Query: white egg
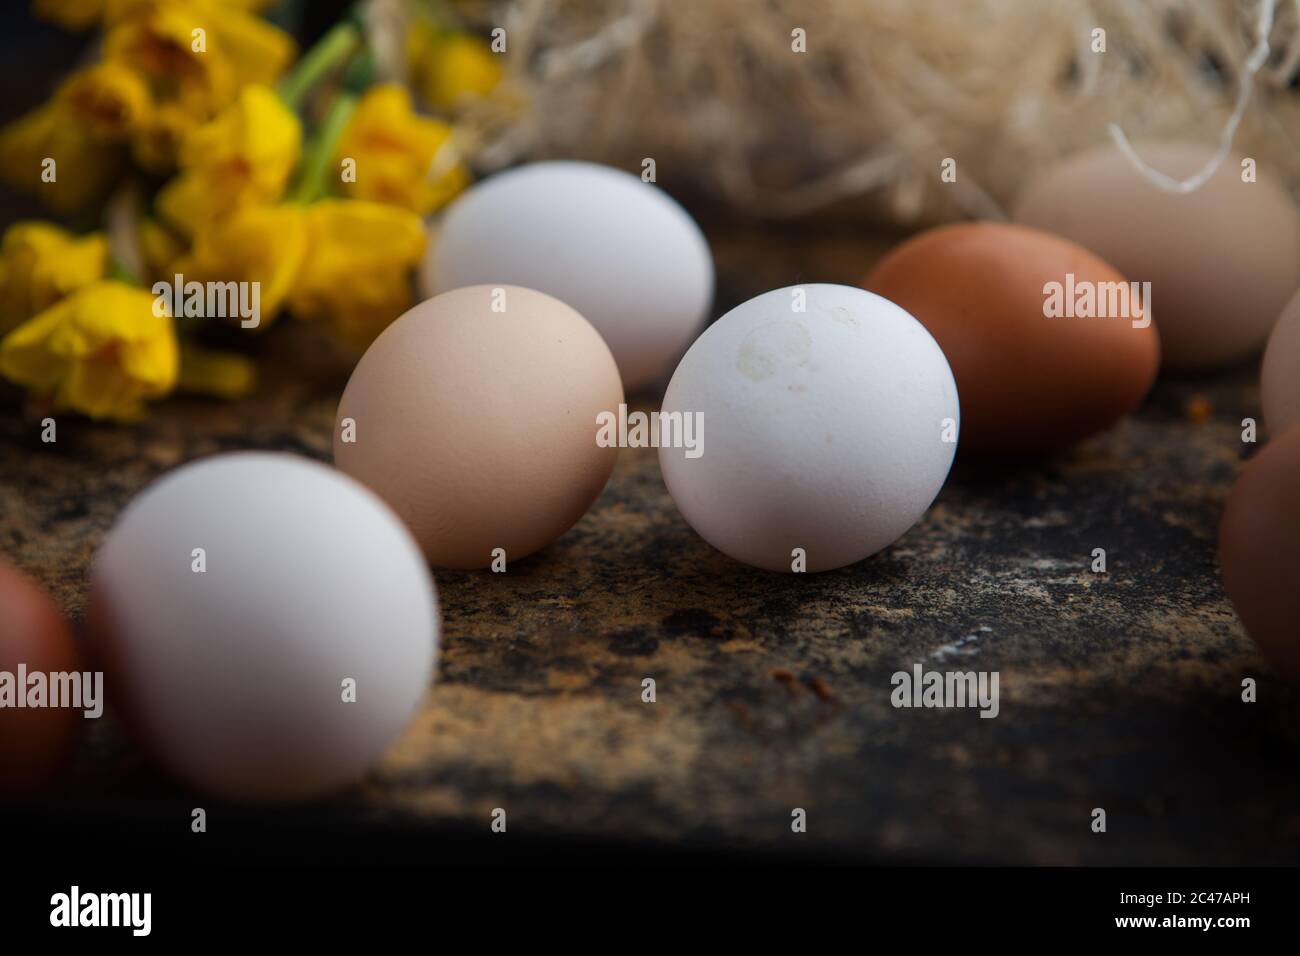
{"points": [[620, 251], [269, 624], [828, 418], [1280, 379]]}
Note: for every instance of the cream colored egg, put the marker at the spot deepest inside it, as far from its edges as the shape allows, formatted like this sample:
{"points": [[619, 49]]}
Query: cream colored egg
{"points": [[1222, 260], [475, 416]]}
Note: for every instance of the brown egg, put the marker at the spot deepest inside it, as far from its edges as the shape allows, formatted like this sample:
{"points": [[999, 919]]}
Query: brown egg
{"points": [[1259, 550], [1029, 382], [474, 416], [34, 741]]}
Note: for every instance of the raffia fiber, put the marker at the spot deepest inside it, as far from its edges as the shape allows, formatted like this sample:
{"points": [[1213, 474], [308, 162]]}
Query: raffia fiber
{"points": [[859, 125]]}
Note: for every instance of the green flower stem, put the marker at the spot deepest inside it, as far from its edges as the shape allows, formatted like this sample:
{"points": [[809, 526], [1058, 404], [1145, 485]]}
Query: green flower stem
{"points": [[360, 72], [316, 162], [322, 59]]}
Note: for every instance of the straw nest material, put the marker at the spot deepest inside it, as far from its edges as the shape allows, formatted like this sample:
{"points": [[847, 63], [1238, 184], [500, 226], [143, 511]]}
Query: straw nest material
{"points": [[860, 124]]}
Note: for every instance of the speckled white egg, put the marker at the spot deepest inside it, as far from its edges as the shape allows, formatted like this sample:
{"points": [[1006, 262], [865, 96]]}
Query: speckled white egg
{"points": [[1280, 379], [828, 418], [268, 625], [620, 251]]}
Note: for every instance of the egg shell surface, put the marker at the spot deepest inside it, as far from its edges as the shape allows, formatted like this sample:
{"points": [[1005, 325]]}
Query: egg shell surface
{"points": [[1029, 383], [1259, 550], [822, 429], [622, 252], [34, 741], [1279, 384], [479, 427], [1222, 260], [233, 676]]}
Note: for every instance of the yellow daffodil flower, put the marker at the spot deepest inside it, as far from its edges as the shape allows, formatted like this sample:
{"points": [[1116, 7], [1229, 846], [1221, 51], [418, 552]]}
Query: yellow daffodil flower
{"points": [[256, 51], [219, 374], [199, 53], [450, 69], [262, 244], [108, 99], [101, 351], [61, 162], [83, 14], [159, 249], [160, 47], [70, 14], [62, 150], [357, 271], [402, 158], [244, 156], [117, 10], [156, 143], [40, 264]]}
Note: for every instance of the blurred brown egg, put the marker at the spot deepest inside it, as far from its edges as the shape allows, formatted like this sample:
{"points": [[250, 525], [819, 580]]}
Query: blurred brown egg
{"points": [[1259, 550], [34, 741], [1279, 378], [1016, 311]]}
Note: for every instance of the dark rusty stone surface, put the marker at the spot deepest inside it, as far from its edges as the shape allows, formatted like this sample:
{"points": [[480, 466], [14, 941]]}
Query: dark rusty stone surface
{"points": [[1119, 691]]}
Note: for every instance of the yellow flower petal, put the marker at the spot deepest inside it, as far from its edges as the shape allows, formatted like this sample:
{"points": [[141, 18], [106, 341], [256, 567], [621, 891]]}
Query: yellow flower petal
{"points": [[262, 244], [220, 374], [257, 51], [357, 272], [187, 204], [246, 155], [159, 44], [399, 154], [24, 357], [107, 99], [151, 364], [156, 142], [197, 54], [257, 140], [118, 10], [70, 14], [159, 248], [41, 264], [44, 154], [97, 390], [101, 351], [450, 69]]}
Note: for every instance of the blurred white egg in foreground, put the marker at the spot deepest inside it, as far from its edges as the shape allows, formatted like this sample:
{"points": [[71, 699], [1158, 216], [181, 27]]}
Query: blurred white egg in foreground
{"points": [[268, 624], [620, 251], [828, 418]]}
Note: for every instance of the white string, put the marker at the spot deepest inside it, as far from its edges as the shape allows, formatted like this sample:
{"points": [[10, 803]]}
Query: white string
{"points": [[1246, 83]]}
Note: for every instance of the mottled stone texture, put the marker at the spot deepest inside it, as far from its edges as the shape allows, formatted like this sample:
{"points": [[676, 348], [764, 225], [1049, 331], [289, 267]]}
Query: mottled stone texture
{"points": [[1119, 691]]}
